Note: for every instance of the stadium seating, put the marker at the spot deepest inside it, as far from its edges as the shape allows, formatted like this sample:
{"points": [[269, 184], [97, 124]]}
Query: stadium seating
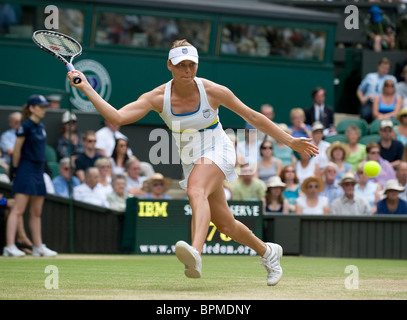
{"points": [[51, 154], [369, 138], [336, 137], [344, 124]]}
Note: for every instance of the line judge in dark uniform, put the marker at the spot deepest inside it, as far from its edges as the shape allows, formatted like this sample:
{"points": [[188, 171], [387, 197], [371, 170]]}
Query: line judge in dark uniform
{"points": [[320, 112], [29, 186]]}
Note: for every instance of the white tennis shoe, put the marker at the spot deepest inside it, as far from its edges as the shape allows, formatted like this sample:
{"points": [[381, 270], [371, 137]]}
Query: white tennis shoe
{"points": [[13, 251], [190, 257], [43, 251], [272, 264]]}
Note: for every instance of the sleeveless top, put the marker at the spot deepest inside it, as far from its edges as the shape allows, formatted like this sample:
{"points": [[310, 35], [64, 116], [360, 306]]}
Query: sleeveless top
{"points": [[386, 108], [266, 173], [199, 135], [205, 117], [318, 209]]}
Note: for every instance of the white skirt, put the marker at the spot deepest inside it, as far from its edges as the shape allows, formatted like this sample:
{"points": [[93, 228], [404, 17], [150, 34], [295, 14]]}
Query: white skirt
{"points": [[212, 144]]}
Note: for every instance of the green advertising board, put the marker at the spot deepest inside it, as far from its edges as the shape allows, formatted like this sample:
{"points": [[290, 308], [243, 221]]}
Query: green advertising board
{"points": [[154, 226]]}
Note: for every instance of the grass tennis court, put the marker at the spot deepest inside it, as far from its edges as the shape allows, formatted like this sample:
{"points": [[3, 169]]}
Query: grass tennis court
{"points": [[224, 278]]}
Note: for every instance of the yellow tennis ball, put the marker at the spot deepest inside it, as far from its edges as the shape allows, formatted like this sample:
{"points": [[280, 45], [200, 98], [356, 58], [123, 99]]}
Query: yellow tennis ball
{"points": [[372, 168]]}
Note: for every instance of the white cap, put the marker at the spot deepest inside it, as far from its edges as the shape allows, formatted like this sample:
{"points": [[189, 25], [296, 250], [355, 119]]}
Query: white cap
{"points": [[68, 116], [179, 54]]}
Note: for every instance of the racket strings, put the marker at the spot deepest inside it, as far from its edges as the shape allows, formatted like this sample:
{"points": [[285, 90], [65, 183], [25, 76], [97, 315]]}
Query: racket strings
{"points": [[58, 44]]}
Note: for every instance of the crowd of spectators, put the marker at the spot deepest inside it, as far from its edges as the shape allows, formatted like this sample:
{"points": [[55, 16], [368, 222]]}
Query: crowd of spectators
{"points": [[333, 182], [98, 167], [95, 167]]}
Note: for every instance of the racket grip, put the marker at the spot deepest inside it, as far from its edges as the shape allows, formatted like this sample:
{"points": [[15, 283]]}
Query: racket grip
{"points": [[70, 67]]}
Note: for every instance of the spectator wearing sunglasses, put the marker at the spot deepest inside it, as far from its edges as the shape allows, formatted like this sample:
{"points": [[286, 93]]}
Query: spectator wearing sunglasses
{"points": [[269, 165], [65, 179], [312, 202], [156, 187], [387, 172], [87, 158]]}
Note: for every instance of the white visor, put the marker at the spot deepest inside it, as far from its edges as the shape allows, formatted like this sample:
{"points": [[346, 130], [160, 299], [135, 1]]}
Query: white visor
{"points": [[179, 54]]}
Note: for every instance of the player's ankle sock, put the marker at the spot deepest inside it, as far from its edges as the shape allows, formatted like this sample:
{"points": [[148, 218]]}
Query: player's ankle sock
{"points": [[268, 252]]}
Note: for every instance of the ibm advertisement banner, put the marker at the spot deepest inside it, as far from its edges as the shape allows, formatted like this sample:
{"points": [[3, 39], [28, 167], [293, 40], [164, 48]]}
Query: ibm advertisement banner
{"points": [[154, 226]]}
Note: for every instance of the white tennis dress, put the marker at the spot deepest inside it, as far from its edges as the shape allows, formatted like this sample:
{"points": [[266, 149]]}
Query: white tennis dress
{"points": [[199, 134]]}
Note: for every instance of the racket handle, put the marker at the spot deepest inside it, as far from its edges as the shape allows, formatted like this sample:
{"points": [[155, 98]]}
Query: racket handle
{"points": [[70, 67]]}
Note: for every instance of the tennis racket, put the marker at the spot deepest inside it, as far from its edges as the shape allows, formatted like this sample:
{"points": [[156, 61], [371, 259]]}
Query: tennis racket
{"points": [[59, 45]]}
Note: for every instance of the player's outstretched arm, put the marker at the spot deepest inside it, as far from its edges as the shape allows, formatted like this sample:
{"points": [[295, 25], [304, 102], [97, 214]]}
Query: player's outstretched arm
{"points": [[128, 114], [262, 123]]}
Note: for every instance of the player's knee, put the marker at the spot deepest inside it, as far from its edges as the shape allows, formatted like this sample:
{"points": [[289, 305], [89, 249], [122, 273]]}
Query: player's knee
{"points": [[195, 192], [226, 228]]}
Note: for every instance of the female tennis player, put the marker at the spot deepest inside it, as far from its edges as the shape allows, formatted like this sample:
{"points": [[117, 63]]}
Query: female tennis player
{"points": [[189, 107]]}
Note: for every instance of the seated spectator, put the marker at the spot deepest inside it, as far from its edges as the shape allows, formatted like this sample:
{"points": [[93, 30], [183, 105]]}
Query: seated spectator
{"points": [[357, 151], [392, 204], [298, 126], [268, 111], [106, 139], [119, 156], [390, 149], [156, 187], [284, 152], [332, 190], [292, 186], [117, 198], [275, 201], [350, 204], [249, 147], [402, 85], [4, 167], [247, 187], [70, 140], [312, 202], [401, 174], [268, 165], [90, 191], [380, 30], [388, 103], [337, 153], [88, 157], [306, 167], [105, 172], [320, 112], [65, 179], [54, 101], [387, 172], [401, 129], [372, 85], [134, 182], [8, 138], [366, 188], [49, 186], [317, 139]]}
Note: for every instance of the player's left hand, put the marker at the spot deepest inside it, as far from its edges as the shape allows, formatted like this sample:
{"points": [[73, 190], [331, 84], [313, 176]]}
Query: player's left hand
{"points": [[304, 145]]}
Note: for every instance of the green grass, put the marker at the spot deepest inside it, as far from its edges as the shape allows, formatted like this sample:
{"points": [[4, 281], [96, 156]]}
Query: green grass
{"points": [[229, 277]]}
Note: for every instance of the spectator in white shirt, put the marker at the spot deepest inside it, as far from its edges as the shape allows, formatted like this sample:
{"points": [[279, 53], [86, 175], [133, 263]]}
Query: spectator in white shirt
{"points": [[134, 182], [350, 204], [90, 191], [106, 139]]}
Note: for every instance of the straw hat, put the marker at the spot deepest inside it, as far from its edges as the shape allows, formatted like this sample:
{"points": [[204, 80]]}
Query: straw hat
{"points": [[393, 184], [321, 184], [348, 177], [335, 145], [402, 112], [275, 181], [147, 185]]}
